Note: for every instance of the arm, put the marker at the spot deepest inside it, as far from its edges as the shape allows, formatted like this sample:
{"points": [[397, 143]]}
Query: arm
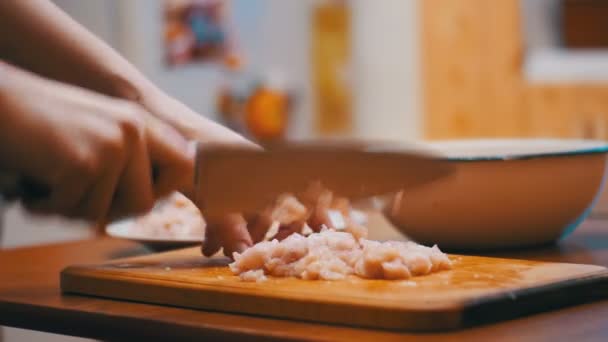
{"points": [[37, 36]]}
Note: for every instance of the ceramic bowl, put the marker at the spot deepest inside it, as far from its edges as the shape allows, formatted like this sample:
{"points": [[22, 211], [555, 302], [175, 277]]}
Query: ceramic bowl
{"points": [[504, 193]]}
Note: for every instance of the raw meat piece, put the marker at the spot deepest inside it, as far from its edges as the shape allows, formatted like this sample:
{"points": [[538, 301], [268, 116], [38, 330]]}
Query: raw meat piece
{"points": [[175, 218], [322, 237], [332, 255]]}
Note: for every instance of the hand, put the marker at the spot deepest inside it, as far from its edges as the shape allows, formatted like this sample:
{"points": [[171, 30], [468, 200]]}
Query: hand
{"points": [[231, 231], [94, 153], [310, 212], [75, 56]]}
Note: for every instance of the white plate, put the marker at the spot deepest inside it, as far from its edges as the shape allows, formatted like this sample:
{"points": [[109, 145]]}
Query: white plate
{"points": [[122, 230]]}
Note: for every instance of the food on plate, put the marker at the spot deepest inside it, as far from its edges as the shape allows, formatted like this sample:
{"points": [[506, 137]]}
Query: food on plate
{"points": [[323, 238], [175, 218]]}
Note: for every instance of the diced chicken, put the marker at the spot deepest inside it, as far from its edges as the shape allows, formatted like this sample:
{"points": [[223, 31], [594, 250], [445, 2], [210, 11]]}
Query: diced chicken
{"points": [[253, 275], [176, 217], [323, 238], [288, 210], [332, 255]]}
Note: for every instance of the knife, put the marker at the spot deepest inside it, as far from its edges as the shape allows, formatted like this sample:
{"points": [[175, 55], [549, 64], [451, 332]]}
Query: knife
{"points": [[239, 179]]}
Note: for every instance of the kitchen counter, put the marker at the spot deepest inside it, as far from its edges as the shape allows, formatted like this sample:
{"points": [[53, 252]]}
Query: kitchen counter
{"points": [[30, 298]]}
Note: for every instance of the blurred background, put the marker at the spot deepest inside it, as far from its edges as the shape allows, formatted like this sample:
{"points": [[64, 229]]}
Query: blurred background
{"points": [[392, 69]]}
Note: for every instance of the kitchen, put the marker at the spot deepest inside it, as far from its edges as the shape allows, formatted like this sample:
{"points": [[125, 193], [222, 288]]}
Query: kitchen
{"points": [[358, 69]]}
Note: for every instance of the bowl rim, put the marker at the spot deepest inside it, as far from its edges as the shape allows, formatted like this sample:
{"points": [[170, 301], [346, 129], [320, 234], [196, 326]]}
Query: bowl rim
{"points": [[585, 147], [119, 229]]}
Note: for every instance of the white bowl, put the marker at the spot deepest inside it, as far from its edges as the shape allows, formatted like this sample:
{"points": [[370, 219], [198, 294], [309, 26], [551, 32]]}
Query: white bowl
{"points": [[505, 193]]}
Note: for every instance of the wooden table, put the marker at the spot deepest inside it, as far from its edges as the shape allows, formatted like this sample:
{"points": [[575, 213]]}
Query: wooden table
{"points": [[30, 299]]}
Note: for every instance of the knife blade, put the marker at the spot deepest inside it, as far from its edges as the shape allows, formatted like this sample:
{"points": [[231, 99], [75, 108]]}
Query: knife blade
{"points": [[232, 179]]}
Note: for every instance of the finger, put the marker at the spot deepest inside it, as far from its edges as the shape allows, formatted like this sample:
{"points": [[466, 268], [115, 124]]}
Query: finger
{"points": [[64, 198], [172, 156], [134, 192], [258, 226], [64, 195], [234, 234], [212, 243], [318, 201], [97, 202], [391, 210], [288, 229], [319, 218]]}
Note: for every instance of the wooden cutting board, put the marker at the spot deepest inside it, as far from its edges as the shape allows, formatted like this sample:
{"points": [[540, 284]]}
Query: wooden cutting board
{"points": [[476, 290]]}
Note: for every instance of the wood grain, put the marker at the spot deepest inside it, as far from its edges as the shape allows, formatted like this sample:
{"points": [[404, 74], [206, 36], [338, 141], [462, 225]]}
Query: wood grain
{"points": [[471, 62], [578, 111], [330, 56], [474, 82], [452, 85], [444, 300]]}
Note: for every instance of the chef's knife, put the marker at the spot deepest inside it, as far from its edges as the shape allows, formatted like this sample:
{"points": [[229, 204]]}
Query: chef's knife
{"points": [[232, 179]]}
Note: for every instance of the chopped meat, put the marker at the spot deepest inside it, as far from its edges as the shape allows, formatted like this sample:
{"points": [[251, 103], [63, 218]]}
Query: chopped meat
{"points": [[288, 210], [320, 208], [325, 255], [253, 275], [322, 237], [176, 217], [333, 255], [399, 260]]}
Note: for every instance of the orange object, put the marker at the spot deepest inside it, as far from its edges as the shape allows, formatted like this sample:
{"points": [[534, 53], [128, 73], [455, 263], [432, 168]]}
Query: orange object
{"points": [[233, 62], [224, 104], [266, 114]]}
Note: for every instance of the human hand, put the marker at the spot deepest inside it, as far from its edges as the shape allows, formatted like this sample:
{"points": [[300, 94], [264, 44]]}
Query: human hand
{"points": [[307, 213], [93, 153], [230, 231]]}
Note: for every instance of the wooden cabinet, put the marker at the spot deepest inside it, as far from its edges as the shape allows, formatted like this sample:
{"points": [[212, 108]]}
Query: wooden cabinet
{"points": [[473, 54]]}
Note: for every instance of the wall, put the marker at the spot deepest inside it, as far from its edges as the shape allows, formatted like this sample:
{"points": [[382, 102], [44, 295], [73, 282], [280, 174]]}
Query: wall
{"points": [[272, 32], [485, 87], [386, 67], [94, 15], [275, 34]]}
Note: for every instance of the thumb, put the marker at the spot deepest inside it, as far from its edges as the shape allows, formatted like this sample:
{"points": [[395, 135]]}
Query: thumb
{"points": [[172, 158]]}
